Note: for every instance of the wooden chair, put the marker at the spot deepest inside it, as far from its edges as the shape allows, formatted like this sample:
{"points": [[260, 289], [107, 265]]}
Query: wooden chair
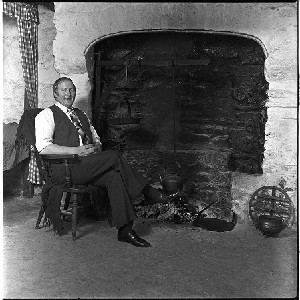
{"points": [[72, 190]]}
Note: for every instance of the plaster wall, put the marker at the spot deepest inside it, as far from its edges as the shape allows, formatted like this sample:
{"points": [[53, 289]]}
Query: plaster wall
{"points": [[13, 83], [47, 73], [12, 96], [273, 25]]}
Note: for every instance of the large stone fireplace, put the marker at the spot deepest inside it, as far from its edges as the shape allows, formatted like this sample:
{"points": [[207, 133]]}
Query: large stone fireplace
{"points": [[192, 98], [212, 86]]}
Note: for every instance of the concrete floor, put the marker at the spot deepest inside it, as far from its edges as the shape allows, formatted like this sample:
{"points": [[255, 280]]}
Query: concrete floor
{"points": [[183, 262]]}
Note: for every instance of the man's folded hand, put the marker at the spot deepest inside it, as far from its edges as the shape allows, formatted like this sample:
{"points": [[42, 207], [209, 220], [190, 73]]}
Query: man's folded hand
{"points": [[86, 150]]}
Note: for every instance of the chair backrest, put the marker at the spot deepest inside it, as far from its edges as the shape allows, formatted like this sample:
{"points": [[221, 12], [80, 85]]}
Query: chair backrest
{"points": [[26, 133], [26, 128], [25, 137]]}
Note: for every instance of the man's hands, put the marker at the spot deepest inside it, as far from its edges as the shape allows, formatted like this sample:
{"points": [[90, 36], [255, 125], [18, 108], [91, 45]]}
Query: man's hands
{"points": [[89, 149], [98, 146], [86, 150]]}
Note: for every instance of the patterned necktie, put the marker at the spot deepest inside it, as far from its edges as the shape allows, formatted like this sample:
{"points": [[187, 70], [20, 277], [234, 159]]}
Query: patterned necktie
{"points": [[76, 122]]}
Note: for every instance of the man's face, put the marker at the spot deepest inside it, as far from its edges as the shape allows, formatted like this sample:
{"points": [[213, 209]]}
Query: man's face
{"points": [[65, 93]]}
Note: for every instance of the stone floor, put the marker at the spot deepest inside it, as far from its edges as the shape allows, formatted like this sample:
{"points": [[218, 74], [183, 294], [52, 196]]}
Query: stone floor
{"points": [[183, 262]]}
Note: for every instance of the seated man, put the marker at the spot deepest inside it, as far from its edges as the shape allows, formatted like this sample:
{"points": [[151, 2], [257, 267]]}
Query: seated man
{"points": [[62, 129]]}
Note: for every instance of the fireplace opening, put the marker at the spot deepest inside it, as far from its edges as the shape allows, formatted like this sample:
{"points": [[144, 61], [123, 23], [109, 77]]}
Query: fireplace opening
{"points": [[197, 98]]}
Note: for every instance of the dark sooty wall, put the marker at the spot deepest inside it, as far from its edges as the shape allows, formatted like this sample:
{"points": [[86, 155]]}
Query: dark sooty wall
{"points": [[219, 108]]}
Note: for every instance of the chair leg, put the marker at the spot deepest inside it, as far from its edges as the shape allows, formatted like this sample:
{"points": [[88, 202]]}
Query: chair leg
{"points": [[40, 216], [74, 215]]}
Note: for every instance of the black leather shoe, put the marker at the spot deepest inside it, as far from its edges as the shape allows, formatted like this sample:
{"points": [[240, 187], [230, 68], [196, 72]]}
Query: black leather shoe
{"points": [[140, 239], [132, 238]]}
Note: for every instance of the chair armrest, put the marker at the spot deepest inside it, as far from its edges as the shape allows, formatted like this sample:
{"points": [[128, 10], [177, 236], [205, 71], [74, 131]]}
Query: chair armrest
{"points": [[61, 158]]}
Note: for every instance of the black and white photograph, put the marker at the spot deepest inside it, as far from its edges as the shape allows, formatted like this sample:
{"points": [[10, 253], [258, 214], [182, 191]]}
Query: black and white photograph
{"points": [[150, 150]]}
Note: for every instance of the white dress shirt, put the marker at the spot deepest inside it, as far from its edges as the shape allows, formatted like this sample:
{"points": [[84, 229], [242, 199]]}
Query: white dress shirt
{"points": [[44, 128]]}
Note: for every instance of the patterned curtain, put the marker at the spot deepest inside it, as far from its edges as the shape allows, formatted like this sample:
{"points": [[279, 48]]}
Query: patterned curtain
{"points": [[27, 18]]}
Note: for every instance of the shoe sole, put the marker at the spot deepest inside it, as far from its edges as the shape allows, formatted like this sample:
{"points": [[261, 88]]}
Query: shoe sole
{"points": [[125, 241]]}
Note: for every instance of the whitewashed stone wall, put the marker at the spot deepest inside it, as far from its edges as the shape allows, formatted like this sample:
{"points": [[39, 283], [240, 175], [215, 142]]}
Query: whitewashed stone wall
{"points": [[47, 72], [13, 83]]}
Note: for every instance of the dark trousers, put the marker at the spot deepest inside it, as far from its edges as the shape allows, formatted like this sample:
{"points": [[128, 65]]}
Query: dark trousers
{"points": [[108, 170]]}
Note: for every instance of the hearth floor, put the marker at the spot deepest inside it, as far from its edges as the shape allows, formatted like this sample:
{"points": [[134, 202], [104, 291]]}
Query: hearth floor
{"points": [[183, 262]]}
